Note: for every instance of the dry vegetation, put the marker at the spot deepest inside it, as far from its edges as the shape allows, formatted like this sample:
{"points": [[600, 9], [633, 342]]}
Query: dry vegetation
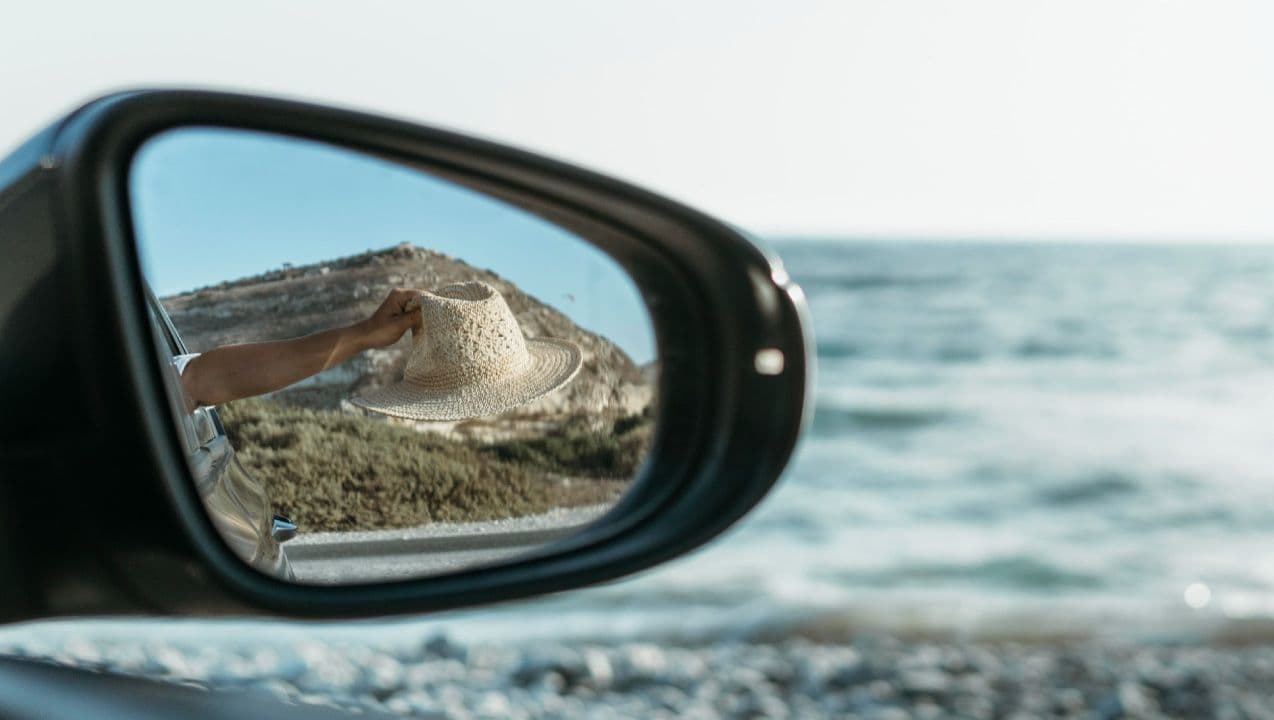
{"points": [[332, 471]]}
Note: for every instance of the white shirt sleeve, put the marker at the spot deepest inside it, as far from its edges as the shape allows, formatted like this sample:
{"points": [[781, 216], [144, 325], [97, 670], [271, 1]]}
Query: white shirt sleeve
{"points": [[181, 361], [179, 364]]}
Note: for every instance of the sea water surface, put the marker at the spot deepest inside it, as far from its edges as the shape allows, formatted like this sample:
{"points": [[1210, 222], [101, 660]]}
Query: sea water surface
{"points": [[1030, 438], [1013, 439]]}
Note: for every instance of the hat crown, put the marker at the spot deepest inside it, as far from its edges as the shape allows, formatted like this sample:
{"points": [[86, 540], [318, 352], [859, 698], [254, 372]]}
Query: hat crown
{"points": [[470, 336]]}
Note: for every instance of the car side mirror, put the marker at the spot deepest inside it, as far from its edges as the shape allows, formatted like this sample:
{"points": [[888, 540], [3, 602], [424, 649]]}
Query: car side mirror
{"points": [[606, 377]]}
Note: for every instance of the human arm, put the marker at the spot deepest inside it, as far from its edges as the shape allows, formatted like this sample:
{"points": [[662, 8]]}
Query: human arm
{"points": [[232, 372]]}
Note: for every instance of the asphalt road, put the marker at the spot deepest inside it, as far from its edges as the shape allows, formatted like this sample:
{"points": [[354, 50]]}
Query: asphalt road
{"points": [[342, 558]]}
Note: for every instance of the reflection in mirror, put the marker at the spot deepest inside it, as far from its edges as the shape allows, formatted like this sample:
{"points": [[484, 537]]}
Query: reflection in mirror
{"points": [[379, 374]]}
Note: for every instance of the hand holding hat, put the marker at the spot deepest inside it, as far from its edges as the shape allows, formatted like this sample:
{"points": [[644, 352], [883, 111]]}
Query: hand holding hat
{"points": [[395, 316], [474, 361]]}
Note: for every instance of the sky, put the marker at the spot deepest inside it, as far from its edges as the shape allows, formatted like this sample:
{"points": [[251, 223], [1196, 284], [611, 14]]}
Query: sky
{"points": [[1133, 120], [214, 204]]}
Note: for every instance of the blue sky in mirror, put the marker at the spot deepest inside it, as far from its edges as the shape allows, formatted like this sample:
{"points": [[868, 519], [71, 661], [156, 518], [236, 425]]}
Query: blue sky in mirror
{"points": [[212, 205]]}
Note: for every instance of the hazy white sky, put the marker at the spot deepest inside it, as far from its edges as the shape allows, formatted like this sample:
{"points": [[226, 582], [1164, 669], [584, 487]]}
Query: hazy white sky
{"points": [[1011, 118]]}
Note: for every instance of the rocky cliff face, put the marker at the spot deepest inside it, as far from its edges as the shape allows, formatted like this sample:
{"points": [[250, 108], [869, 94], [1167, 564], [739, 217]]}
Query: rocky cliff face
{"points": [[295, 301]]}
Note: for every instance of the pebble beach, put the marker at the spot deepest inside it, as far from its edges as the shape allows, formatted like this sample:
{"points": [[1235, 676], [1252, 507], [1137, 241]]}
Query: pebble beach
{"points": [[868, 677]]}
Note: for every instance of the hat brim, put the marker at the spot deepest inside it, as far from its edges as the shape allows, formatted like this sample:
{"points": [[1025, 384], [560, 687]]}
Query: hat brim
{"points": [[553, 364]]}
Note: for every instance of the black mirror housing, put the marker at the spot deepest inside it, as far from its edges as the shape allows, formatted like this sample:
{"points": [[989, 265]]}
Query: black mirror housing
{"points": [[97, 511]]}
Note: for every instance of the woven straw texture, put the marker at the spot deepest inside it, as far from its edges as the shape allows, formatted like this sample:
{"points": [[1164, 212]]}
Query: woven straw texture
{"points": [[472, 360]]}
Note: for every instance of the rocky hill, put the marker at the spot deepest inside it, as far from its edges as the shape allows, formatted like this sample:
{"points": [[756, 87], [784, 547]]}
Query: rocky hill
{"points": [[294, 301]]}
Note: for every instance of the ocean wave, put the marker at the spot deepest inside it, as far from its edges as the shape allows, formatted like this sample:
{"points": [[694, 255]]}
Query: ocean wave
{"points": [[1213, 516], [889, 418], [1097, 487], [846, 282], [952, 351], [872, 618], [1046, 348], [1030, 622], [835, 350], [1015, 572]]}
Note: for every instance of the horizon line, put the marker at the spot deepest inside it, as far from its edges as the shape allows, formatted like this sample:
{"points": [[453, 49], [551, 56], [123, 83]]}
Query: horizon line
{"points": [[1010, 239]]}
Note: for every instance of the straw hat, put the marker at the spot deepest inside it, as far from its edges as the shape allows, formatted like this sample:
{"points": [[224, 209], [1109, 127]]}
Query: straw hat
{"points": [[472, 360]]}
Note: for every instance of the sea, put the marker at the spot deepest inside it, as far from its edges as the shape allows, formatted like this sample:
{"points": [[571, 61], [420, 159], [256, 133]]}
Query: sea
{"points": [[1009, 440]]}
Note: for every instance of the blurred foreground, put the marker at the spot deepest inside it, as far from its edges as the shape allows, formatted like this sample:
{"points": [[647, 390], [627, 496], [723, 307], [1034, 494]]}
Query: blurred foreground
{"points": [[870, 677]]}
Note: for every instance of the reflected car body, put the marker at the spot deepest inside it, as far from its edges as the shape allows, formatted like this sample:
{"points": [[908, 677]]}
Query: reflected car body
{"points": [[237, 502]]}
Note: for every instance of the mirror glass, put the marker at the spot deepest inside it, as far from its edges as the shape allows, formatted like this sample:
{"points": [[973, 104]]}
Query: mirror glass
{"points": [[378, 373]]}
